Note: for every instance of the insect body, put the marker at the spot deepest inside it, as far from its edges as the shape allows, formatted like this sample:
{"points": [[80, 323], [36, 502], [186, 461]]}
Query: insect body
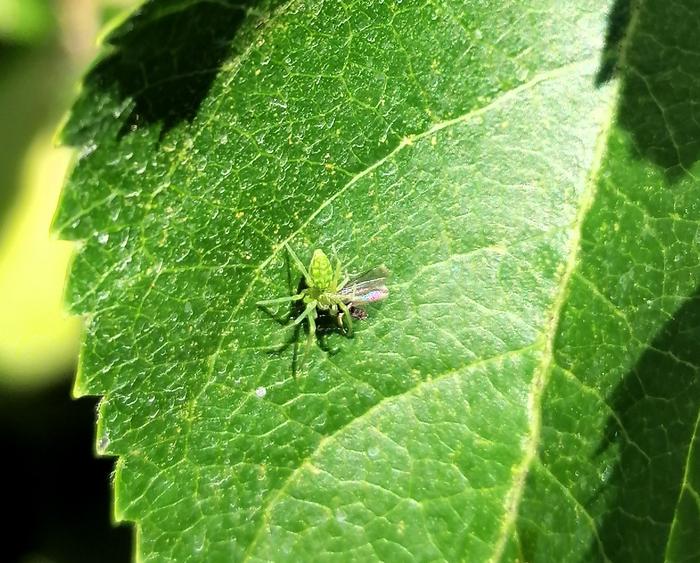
{"points": [[328, 289], [365, 288]]}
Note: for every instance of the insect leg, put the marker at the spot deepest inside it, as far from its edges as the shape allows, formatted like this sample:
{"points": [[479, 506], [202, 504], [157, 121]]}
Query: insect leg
{"points": [[346, 315]]}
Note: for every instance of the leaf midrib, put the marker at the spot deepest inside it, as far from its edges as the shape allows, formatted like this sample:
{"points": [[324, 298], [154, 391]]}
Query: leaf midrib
{"points": [[542, 373]]}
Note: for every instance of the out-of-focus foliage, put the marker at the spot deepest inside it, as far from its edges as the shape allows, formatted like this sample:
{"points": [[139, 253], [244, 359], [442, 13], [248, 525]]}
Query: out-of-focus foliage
{"points": [[39, 339], [39, 63], [60, 512], [25, 21]]}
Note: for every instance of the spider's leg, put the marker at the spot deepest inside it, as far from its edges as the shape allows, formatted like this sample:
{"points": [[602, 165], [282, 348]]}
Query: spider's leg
{"points": [[347, 264], [338, 274], [312, 330], [306, 313], [312, 333], [335, 256], [281, 300], [343, 283], [346, 315], [298, 263]]}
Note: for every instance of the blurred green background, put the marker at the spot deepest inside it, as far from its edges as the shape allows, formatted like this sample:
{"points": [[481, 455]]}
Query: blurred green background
{"points": [[59, 495]]}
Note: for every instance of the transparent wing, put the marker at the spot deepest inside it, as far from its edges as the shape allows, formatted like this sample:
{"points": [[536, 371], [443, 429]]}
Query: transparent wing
{"points": [[378, 273], [367, 287]]}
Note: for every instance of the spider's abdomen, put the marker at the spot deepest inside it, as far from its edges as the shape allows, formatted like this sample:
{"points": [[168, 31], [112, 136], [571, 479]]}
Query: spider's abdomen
{"points": [[321, 271]]}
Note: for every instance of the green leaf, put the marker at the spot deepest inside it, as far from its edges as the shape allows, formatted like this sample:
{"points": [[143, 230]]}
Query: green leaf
{"points": [[528, 391]]}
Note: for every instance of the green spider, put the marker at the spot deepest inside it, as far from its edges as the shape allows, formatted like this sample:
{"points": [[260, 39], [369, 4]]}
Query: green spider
{"points": [[328, 289]]}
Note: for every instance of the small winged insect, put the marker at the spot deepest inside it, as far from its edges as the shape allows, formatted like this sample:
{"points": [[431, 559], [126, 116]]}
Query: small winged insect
{"points": [[362, 290], [330, 291]]}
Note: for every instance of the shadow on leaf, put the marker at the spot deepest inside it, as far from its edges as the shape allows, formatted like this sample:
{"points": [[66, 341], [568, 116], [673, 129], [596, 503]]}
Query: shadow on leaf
{"points": [[160, 64], [618, 24], [655, 408], [660, 93]]}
